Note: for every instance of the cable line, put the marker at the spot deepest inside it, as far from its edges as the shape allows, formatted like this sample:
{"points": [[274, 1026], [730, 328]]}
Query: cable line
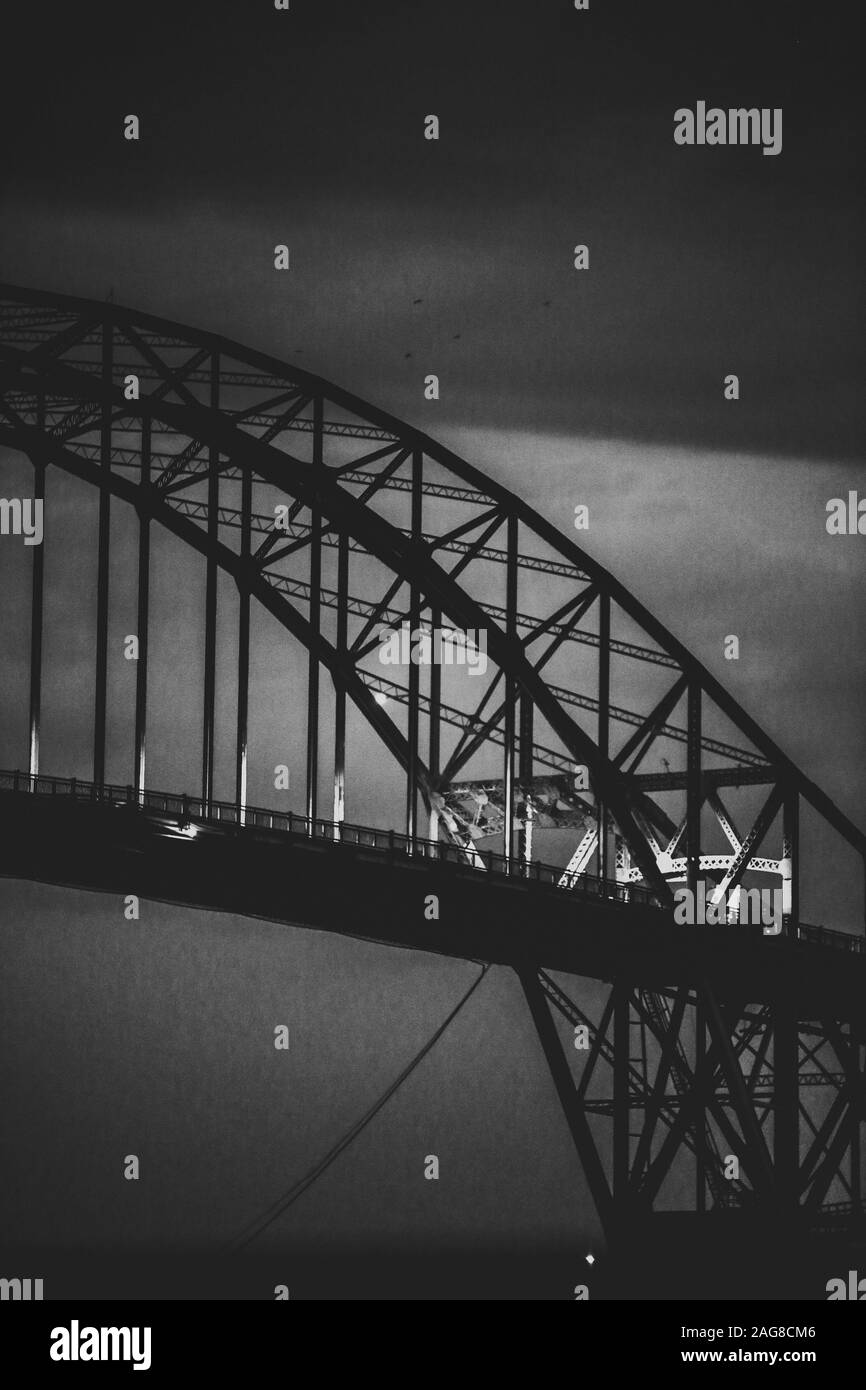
{"points": [[261, 1223]]}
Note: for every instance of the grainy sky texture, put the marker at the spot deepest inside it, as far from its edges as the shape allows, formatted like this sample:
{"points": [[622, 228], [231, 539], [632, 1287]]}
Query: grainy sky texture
{"points": [[605, 387]]}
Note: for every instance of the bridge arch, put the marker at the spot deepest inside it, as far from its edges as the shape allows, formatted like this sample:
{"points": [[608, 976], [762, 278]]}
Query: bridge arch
{"points": [[211, 414], [62, 365]]}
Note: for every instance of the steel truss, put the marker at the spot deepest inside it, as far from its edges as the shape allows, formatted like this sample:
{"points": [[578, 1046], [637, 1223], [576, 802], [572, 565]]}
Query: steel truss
{"points": [[340, 520]]}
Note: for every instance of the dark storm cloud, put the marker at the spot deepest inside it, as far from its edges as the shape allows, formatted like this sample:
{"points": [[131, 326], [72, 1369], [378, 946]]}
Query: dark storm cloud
{"points": [[557, 129]]}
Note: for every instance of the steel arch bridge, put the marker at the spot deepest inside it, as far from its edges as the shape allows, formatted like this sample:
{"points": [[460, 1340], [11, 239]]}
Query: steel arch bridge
{"points": [[340, 521]]}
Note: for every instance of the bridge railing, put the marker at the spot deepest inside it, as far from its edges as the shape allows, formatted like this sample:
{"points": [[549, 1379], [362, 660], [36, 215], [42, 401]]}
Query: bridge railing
{"points": [[188, 810], [824, 936]]}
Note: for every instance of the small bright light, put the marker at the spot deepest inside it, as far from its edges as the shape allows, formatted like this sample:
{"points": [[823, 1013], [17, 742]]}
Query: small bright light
{"points": [[380, 697], [590, 1259]]}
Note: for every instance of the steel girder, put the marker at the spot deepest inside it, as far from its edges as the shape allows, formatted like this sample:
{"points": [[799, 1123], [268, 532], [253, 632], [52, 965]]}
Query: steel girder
{"points": [[676, 1108], [300, 390], [63, 366]]}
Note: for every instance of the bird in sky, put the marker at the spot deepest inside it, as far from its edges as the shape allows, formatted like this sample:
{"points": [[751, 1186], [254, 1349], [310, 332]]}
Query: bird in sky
{"points": [[417, 301], [456, 336]]}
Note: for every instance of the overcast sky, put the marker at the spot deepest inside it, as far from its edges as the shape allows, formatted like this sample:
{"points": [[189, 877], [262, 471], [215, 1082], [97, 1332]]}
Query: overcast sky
{"points": [[260, 127]]}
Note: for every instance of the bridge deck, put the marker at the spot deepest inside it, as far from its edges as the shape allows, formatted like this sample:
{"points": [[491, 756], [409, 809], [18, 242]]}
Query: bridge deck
{"points": [[372, 884]]}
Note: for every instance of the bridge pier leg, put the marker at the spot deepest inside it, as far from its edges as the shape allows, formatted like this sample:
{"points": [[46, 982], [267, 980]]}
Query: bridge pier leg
{"points": [[700, 1121], [569, 1099], [855, 1151], [786, 1102], [621, 1098]]}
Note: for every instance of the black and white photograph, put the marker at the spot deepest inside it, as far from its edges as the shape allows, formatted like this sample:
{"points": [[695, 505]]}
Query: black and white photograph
{"points": [[432, 663]]}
